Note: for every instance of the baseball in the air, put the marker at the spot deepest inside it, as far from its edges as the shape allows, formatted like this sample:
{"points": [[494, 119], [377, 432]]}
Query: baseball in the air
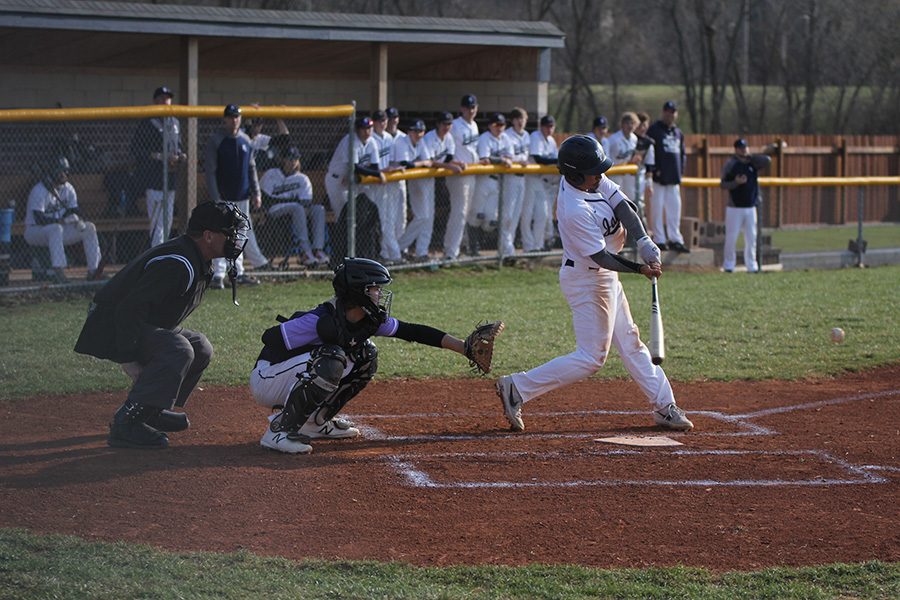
{"points": [[837, 335]]}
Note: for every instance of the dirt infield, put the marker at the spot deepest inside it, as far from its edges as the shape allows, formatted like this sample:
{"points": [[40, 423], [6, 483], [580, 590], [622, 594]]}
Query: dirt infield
{"points": [[774, 474]]}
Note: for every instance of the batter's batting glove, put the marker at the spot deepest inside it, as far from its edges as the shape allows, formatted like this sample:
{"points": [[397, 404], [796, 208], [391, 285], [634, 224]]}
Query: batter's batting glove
{"points": [[480, 346], [648, 251]]}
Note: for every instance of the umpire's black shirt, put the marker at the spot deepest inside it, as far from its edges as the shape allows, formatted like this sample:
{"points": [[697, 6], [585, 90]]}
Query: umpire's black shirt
{"points": [[159, 288]]}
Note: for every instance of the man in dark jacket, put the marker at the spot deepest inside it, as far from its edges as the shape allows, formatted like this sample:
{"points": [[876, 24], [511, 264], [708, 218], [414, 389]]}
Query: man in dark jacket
{"points": [[135, 320], [740, 177], [667, 169]]}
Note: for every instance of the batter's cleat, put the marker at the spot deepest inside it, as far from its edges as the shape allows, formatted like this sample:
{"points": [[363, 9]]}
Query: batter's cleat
{"points": [[512, 402], [335, 429], [170, 421], [289, 442], [672, 417]]}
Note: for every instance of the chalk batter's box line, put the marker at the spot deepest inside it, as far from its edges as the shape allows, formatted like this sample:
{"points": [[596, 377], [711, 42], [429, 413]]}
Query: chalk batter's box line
{"points": [[404, 464]]}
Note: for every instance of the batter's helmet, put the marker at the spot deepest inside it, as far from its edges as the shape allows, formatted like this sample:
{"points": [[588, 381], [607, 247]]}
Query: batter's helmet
{"points": [[352, 280], [582, 155]]}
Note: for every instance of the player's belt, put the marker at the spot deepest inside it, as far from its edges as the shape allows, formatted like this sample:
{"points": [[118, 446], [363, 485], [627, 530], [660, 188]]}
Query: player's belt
{"points": [[519, 174], [571, 263]]}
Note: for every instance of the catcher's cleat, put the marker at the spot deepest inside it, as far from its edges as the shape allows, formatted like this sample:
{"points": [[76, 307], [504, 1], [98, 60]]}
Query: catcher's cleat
{"points": [[290, 442], [672, 417], [334, 429], [170, 421], [512, 402]]}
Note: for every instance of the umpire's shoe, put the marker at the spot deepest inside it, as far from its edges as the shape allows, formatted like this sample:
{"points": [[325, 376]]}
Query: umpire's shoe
{"points": [[672, 417], [512, 402], [129, 428], [168, 420]]}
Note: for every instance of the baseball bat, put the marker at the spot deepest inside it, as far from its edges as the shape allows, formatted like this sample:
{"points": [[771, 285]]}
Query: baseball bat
{"points": [[657, 336]]}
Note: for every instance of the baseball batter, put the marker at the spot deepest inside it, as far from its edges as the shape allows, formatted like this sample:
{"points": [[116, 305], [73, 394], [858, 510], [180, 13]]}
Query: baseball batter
{"points": [[593, 216], [462, 187], [540, 190]]}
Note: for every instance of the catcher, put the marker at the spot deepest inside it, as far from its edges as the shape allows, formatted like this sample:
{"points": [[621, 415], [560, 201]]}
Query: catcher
{"points": [[315, 362]]}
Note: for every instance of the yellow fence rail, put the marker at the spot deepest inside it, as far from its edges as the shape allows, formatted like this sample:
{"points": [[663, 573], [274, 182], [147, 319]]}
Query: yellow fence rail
{"points": [[159, 110]]}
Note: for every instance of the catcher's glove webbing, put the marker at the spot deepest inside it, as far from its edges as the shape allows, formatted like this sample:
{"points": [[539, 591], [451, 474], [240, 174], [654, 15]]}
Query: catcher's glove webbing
{"points": [[480, 346]]}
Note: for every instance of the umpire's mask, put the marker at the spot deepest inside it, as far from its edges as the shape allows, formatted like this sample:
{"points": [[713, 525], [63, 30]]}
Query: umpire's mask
{"points": [[225, 218]]}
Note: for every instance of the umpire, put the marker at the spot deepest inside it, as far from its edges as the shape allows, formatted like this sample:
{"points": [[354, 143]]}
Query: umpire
{"points": [[134, 320]]}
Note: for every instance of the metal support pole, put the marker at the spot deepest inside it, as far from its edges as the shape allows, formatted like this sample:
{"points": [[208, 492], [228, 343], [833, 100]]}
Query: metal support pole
{"points": [[500, 256], [351, 188], [759, 235], [860, 242]]}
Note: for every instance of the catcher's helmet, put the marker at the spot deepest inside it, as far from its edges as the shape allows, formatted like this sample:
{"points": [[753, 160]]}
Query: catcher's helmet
{"points": [[582, 155], [352, 281]]}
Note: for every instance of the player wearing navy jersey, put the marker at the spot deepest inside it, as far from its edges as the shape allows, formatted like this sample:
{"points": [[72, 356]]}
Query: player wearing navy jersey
{"points": [[462, 187], [593, 217], [667, 169], [740, 176], [315, 362]]}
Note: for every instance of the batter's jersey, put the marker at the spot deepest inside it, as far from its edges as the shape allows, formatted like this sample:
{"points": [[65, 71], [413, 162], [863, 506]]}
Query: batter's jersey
{"points": [[440, 148], [669, 155], [363, 154], [465, 136], [43, 201], [621, 148], [587, 223], [519, 143], [404, 150], [493, 147], [294, 187], [542, 146], [384, 141]]}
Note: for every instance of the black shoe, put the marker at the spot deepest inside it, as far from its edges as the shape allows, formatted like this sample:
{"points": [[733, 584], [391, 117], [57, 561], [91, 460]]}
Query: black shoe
{"points": [[679, 247], [247, 280], [663, 247], [170, 421], [136, 435]]}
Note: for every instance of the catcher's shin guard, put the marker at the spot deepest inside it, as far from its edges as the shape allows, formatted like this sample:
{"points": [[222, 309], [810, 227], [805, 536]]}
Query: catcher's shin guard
{"points": [[313, 388], [364, 367]]}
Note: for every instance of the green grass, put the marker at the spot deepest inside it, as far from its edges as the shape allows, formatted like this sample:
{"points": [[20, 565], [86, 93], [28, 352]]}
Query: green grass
{"points": [[720, 327], [833, 238], [57, 566]]}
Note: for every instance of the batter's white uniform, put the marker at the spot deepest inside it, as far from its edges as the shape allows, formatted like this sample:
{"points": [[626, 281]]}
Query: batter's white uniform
{"points": [[337, 181], [621, 150], [296, 192], [460, 187], [421, 196], [487, 187], [56, 236], [513, 191], [540, 196], [600, 313]]}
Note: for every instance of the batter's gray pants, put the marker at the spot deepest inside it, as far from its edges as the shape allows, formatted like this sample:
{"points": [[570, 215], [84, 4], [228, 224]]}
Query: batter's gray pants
{"points": [[171, 362]]}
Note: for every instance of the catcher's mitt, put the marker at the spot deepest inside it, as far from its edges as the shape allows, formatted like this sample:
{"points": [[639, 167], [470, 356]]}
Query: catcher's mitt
{"points": [[480, 346]]}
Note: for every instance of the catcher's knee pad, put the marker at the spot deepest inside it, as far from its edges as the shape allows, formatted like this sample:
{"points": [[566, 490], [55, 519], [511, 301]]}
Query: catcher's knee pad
{"points": [[314, 387], [365, 362], [328, 363]]}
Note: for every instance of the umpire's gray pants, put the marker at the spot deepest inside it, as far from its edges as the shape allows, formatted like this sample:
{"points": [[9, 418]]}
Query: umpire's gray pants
{"points": [[172, 361]]}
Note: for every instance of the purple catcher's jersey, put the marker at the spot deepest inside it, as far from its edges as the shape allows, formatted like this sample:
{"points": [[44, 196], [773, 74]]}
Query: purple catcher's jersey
{"points": [[301, 332]]}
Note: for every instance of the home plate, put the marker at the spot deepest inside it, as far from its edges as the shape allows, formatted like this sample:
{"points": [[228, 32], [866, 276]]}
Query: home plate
{"points": [[637, 440]]}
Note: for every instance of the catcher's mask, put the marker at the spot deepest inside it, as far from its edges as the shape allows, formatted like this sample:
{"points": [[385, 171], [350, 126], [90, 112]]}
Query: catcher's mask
{"points": [[582, 155], [361, 282], [225, 218]]}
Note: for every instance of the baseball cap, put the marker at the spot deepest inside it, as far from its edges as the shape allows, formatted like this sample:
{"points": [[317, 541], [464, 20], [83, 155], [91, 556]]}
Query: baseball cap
{"points": [[363, 123], [232, 110], [497, 118], [600, 122], [212, 216], [162, 91], [547, 120], [379, 115], [469, 101], [392, 113], [444, 117], [418, 125], [292, 153], [740, 143], [670, 105]]}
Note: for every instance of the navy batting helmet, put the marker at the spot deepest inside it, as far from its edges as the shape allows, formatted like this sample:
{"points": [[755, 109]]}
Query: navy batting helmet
{"points": [[582, 155], [353, 280]]}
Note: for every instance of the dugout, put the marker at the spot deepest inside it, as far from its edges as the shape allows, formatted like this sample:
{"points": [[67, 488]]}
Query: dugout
{"points": [[84, 53]]}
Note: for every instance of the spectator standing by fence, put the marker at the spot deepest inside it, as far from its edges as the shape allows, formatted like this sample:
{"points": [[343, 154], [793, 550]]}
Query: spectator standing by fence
{"points": [[364, 162], [740, 176], [514, 184], [462, 187], [156, 151], [667, 169], [493, 149], [410, 152], [540, 190]]}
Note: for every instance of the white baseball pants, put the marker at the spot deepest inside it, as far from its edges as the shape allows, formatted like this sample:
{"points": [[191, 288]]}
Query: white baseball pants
{"points": [[666, 199], [337, 191], [487, 198], [461, 189], [736, 221], [513, 196], [539, 189], [160, 214], [600, 317], [419, 230], [272, 384], [385, 198], [299, 226], [57, 236]]}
